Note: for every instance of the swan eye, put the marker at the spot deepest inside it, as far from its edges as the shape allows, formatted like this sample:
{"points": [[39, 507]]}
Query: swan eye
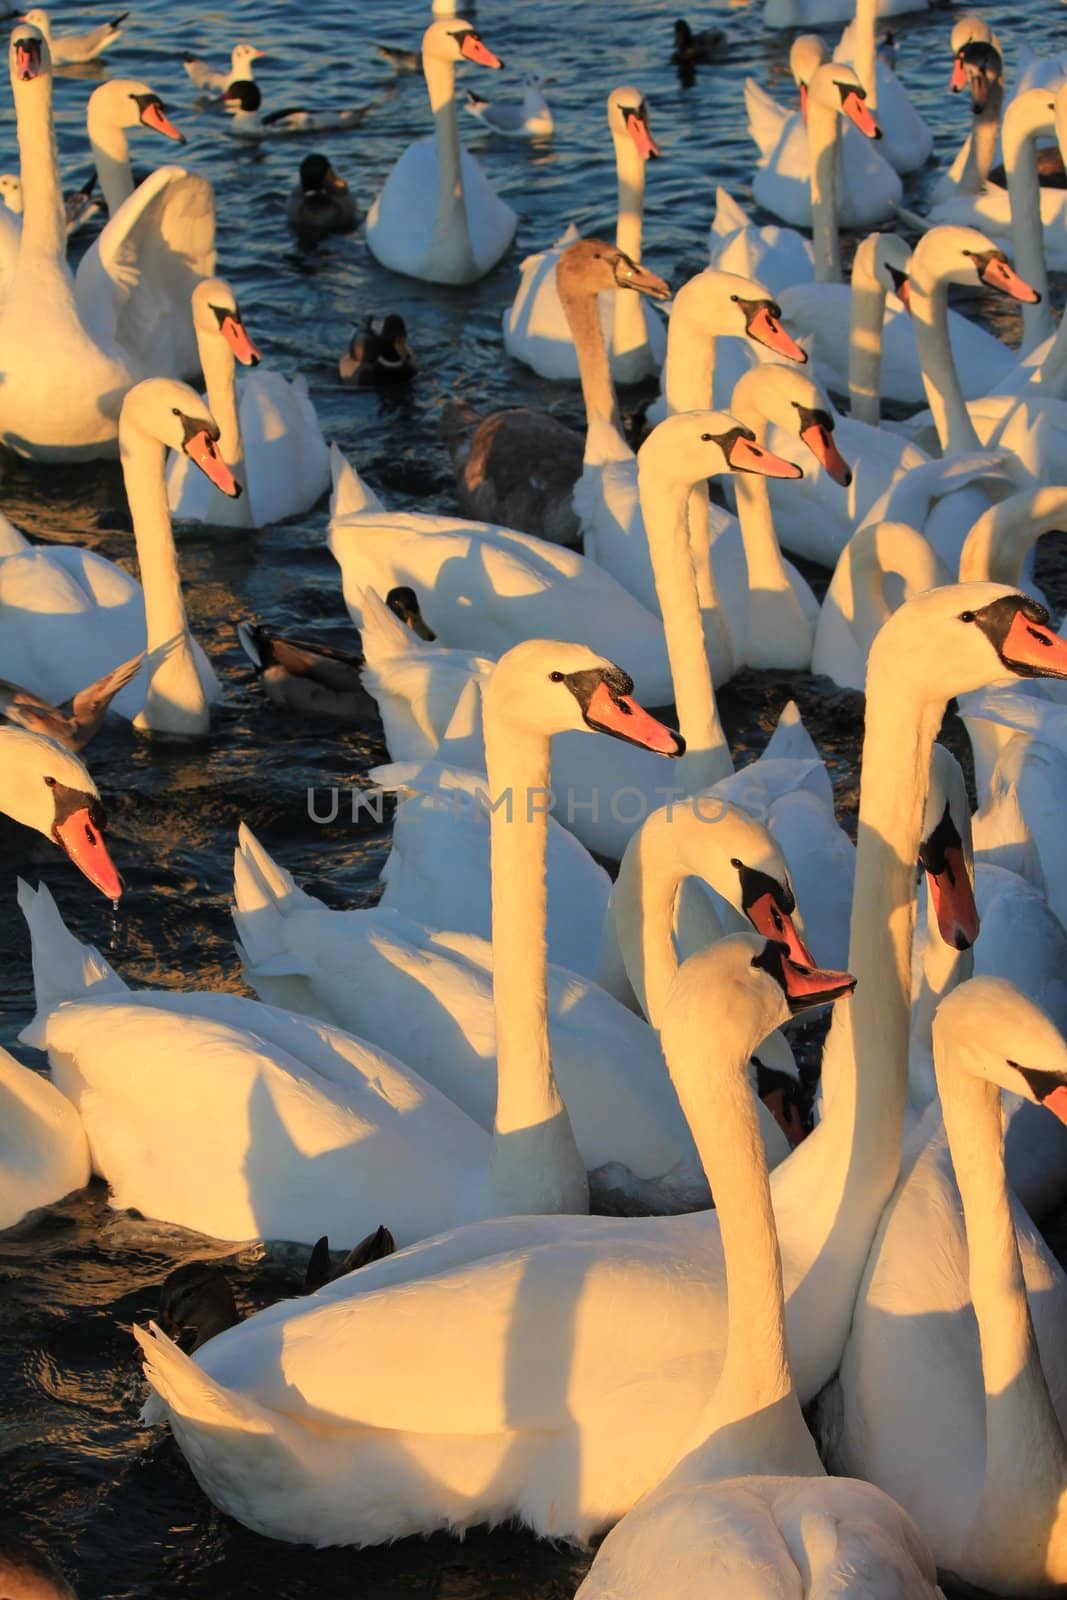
{"points": [[706, 438], [735, 861], [734, 298], [51, 782], [555, 677], [966, 616], [174, 411]]}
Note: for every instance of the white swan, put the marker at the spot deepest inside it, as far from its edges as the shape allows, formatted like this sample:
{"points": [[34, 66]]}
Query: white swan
{"points": [[44, 1154], [857, 603], [581, 1349], [50, 790], [809, 160], [269, 435], [778, 257], [814, 13], [536, 327], [437, 217], [907, 139], [60, 398], [65, 613], [952, 1388], [118, 104], [354, 1135], [738, 1514]]}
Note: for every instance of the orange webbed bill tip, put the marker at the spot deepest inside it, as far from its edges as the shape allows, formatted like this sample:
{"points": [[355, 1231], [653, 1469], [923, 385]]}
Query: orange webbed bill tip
{"points": [[958, 80], [764, 327], [747, 456], [952, 896], [813, 986], [202, 450], [474, 50], [820, 441], [772, 922], [622, 716], [236, 336], [856, 111], [84, 844], [1034, 649]]}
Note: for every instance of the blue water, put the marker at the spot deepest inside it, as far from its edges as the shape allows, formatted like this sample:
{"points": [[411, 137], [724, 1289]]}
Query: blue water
{"points": [[116, 1505]]}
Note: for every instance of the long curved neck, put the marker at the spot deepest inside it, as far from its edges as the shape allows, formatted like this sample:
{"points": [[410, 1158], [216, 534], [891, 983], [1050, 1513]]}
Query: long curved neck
{"points": [[1022, 1431], [664, 509], [929, 316], [997, 544], [822, 150], [175, 701], [643, 903], [629, 331], [763, 555], [1019, 142], [866, 316], [111, 153], [604, 436], [220, 380], [451, 231], [535, 1162], [970, 170], [44, 225], [865, 50]]}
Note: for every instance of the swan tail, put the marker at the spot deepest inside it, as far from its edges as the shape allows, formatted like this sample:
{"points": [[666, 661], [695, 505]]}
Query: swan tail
{"points": [[63, 967], [791, 740], [88, 707], [265, 896], [191, 1396], [728, 214], [349, 494]]}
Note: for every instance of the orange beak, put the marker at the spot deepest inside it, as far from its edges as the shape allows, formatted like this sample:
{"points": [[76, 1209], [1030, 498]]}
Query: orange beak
{"points": [[747, 456], [474, 50], [855, 109], [641, 134], [27, 60], [233, 331], [622, 717], [953, 901], [958, 79], [804, 103], [1056, 1102], [813, 986], [202, 449], [153, 116], [1000, 274], [1035, 649], [772, 922], [765, 328], [786, 1116], [84, 844], [820, 441]]}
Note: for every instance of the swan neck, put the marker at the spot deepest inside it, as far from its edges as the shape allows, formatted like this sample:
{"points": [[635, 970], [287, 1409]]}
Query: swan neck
{"points": [[594, 369], [866, 318], [1019, 143], [763, 555], [865, 50], [451, 232], [628, 323], [998, 543], [643, 903], [44, 223], [822, 147], [929, 316], [111, 153]]}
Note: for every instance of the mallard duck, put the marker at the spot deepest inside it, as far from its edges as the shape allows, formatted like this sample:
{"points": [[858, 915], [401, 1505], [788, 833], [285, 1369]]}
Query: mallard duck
{"points": [[690, 49], [317, 678], [74, 722], [378, 356], [322, 201]]}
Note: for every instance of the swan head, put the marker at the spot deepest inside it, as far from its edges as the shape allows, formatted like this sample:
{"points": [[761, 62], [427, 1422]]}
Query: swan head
{"points": [[982, 70], [543, 687], [807, 54], [694, 445], [945, 853], [746, 987], [216, 314], [129, 103], [989, 1030], [28, 54], [792, 401], [835, 87], [966, 31], [457, 40], [723, 302], [964, 636], [172, 413], [628, 119], [590, 266], [953, 254], [46, 788], [883, 261]]}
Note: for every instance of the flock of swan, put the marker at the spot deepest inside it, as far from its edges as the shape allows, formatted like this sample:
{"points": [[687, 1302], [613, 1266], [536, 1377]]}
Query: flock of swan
{"points": [[632, 1290]]}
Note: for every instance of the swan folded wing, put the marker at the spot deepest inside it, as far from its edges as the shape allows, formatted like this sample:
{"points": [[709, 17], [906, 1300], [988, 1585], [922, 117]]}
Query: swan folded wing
{"points": [[134, 284], [766, 118], [288, 463]]}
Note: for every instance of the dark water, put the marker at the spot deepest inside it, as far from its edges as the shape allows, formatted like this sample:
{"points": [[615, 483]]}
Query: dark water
{"points": [[114, 1504]]}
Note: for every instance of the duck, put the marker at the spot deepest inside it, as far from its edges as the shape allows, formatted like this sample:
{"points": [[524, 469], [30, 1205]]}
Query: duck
{"points": [[48, 789], [520, 467], [66, 611], [269, 438], [528, 118], [74, 49], [380, 1120], [204, 76], [437, 216], [399, 59], [633, 1309], [44, 1154], [75, 722], [536, 329], [694, 49], [242, 99], [63, 405], [749, 1489], [305, 676], [795, 149], [378, 357], [321, 202]]}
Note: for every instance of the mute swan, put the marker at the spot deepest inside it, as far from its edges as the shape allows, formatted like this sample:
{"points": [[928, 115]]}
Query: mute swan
{"points": [[205, 76], [907, 140], [802, 168], [75, 722], [778, 257], [945, 1402], [59, 401], [426, 994], [322, 201], [50, 790], [43, 1150], [438, 217], [378, 356], [72, 49], [269, 435], [857, 604], [340, 1135], [65, 612], [484, 588], [528, 118], [814, 13], [737, 1514], [520, 466], [536, 327], [119, 104], [632, 1312]]}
